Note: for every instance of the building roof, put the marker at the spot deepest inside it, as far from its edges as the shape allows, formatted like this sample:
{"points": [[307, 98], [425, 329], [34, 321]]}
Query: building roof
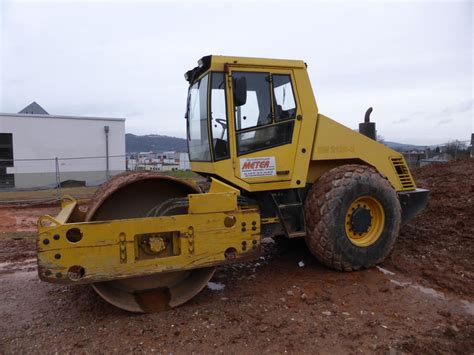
{"points": [[34, 109], [220, 59], [84, 118]]}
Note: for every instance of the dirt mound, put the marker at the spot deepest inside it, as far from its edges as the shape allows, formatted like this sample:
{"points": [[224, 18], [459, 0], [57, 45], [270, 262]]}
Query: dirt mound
{"points": [[438, 245]]}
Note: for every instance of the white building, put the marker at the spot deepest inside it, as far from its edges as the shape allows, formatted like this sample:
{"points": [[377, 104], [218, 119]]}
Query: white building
{"points": [[164, 161], [86, 148], [184, 163]]}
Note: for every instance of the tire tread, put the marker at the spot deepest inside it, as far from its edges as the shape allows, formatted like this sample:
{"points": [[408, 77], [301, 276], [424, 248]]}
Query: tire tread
{"points": [[322, 201]]}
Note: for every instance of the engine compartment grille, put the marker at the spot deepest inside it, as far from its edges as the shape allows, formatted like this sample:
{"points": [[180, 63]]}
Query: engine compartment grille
{"points": [[403, 173]]}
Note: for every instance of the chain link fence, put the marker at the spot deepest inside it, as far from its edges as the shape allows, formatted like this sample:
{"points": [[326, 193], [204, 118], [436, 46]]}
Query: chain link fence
{"points": [[47, 179], [44, 179]]}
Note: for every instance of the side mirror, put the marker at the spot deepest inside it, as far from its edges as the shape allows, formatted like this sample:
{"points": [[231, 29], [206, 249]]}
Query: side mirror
{"points": [[240, 91]]}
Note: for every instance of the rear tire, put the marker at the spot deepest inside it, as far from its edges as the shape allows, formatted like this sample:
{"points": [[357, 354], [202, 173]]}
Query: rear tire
{"points": [[335, 236]]}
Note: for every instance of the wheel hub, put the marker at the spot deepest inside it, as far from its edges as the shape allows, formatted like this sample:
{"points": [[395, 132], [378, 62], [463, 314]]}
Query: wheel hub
{"points": [[361, 220], [364, 221]]}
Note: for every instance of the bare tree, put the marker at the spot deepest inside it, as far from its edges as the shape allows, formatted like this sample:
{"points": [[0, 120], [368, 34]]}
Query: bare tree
{"points": [[456, 148]]}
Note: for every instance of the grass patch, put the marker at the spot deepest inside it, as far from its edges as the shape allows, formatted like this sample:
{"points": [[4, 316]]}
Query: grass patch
{"points": [[182, 174], [77, 192], [83, 192]]}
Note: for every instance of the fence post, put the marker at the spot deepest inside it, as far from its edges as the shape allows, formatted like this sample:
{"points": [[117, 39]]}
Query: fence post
{"points": [[58, 180], [107, 173]]}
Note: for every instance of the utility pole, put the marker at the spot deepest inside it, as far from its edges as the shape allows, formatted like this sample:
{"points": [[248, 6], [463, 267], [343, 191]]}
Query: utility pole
{"points": [[472, 145], [58, 179]]}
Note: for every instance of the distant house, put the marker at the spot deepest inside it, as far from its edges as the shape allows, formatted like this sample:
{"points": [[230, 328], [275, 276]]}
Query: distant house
{"points": [[34, 109], [159, 161], [414, 157], [440, 158]]}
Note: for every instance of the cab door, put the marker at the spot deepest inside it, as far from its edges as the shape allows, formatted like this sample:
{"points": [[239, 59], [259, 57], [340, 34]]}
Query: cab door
{"points": [[266, 126]]}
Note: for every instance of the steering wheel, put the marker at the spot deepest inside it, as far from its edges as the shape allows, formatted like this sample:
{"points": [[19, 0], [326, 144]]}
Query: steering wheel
{"points": [[223, 123]]}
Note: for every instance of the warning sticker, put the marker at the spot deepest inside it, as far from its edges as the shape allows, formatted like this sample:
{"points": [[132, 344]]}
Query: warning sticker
{"points": [[255, 167]]}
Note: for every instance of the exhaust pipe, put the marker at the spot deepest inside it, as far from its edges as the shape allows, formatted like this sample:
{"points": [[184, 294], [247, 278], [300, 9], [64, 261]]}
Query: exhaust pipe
{"points": [[367, 128]]}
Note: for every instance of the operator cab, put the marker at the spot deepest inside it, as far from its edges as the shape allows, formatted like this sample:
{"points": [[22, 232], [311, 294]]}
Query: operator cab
{"points": [[242, 119]]}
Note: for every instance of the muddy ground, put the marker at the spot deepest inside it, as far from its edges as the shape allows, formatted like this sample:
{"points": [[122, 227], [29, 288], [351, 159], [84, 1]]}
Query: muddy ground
{"points": [[421, 300]]}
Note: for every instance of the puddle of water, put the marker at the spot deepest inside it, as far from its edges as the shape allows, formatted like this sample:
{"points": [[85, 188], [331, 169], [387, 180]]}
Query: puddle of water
{"points": [[20, 275], [398, 283], [26, 224], [385, 271], [215, 286], [426, 290], [18, 265], [430, 292], [466, 305]]}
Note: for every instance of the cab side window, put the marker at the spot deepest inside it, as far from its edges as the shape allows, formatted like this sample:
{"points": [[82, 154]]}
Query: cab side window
{"points": [[257, 109], [267, 118], [285, 105]]}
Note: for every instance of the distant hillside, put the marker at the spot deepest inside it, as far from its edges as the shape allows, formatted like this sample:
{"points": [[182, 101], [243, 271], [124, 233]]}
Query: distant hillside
{"points": [[155, 143], [401, 147]]}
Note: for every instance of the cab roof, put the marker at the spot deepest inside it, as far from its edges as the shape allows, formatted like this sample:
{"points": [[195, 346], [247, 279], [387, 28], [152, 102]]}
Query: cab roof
{"points": [[217, 62]]}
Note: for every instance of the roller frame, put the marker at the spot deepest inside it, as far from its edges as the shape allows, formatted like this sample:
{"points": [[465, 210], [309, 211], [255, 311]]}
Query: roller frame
{"points": [[214, 232]]}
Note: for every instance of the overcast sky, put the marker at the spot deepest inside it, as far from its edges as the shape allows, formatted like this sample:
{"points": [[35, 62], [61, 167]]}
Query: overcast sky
{"points": [[411, 61]]}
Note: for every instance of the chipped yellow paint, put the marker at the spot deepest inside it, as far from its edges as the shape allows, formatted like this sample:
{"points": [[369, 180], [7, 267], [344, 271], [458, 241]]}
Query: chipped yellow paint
{"points": [[216, 230], [108, 250]]}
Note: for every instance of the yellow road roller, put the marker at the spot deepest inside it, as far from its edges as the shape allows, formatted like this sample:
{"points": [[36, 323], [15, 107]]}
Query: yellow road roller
{"points": [[275, 165]]}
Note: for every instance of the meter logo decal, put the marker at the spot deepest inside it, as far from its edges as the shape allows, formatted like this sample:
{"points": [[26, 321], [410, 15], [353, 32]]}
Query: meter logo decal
{"points": [[255, 167]]}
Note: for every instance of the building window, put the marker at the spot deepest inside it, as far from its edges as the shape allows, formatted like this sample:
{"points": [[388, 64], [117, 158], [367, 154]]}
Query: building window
{"points": [[6, 149]]}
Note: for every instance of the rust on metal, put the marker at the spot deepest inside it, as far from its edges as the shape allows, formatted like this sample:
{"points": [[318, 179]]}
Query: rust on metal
{"points": [[135, 195]]}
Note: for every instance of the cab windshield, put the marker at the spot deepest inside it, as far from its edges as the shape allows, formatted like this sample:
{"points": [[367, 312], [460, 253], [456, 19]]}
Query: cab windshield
{"points": [[198, 136]]}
